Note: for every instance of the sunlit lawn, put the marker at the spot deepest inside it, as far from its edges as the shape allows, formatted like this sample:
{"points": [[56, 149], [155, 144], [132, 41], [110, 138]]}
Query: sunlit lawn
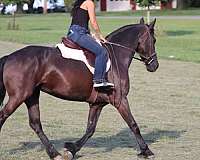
{"points": [[165, 104], [176, 39]]}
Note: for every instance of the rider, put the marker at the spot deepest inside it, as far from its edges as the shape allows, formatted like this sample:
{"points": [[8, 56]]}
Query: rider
{"points": [[83, 11]]}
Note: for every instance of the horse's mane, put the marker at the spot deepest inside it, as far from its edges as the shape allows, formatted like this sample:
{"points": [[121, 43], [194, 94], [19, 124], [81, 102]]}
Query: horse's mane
{"points": [[121, 29]]}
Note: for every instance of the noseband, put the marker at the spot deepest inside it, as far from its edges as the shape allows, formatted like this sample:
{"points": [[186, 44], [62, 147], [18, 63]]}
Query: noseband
{"points": [[145, 60]]}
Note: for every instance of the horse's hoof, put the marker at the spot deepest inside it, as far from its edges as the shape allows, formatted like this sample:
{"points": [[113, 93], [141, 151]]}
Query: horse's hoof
{"points": [[58, 158], [68, 155], [70, 147], [147, 154]]}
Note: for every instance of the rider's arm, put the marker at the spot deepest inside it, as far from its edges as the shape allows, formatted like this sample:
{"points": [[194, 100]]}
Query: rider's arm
{"points": [[93, 20]]}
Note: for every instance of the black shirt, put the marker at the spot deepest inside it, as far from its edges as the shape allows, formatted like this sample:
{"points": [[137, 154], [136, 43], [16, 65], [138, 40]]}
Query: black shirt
{"points": [[80, 17]]}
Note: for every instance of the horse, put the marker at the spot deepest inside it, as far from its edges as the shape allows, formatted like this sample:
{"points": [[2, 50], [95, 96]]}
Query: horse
{"points": [[26, 72]]}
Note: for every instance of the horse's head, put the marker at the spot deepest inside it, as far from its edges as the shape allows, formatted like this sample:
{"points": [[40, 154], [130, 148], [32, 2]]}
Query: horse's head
{"points": [[146, 46]]}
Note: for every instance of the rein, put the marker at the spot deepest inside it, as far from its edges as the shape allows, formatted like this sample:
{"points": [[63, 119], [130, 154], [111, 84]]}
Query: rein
{"points": [[114, 59], [146, 60]]}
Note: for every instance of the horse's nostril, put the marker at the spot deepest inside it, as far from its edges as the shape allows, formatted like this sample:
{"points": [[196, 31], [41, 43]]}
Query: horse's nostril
{"points": [[153, 66]]}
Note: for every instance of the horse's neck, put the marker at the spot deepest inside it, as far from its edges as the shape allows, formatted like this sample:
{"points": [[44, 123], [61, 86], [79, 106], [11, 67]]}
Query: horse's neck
{"points": [[126, 36]]}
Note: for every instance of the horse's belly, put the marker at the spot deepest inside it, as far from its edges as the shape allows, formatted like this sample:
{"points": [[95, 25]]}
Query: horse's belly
{"points": [[62, 95], [69, 79], [73, 88]]}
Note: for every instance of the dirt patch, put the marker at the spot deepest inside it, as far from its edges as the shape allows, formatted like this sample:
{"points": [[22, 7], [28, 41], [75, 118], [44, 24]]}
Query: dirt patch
{"points": [[8, 47], [165, 105]]}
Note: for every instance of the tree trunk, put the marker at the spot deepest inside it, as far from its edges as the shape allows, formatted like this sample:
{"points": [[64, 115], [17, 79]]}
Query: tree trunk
{"points": [[14, 21], [19, 8], [148, 15], [30, 6], [45, 7]]}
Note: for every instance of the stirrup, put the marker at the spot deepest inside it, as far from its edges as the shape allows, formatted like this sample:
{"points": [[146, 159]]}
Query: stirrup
{"points": [[103, 84]]}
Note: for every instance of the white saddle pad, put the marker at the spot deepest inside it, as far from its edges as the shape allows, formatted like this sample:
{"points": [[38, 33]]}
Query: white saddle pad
{"points": [[78, 55]]}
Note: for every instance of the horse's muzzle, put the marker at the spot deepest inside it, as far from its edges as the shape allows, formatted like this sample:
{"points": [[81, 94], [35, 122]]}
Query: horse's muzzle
{"points": [[153, 64]]}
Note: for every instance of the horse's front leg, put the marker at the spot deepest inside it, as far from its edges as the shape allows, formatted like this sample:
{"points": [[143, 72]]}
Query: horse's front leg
{"points": [[94, 113], [125, 112]]}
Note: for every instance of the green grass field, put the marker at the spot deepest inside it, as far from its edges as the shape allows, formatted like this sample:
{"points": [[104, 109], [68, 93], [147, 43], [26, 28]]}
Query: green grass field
{"points": [[174, 12], [165, 104], [176, 39]]}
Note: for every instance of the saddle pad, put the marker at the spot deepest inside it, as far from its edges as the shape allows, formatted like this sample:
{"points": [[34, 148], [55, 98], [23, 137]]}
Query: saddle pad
{"points": [[78, 55]]}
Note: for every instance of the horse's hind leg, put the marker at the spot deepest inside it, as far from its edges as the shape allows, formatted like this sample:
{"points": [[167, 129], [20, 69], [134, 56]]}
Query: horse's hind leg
{"points": [[125, 112], [35, 123], [93, 117], [13, 103]]}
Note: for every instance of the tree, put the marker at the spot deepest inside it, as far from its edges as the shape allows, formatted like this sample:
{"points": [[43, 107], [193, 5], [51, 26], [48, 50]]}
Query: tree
{"points": [[147, 4], [195, 3], [68, 5], [183, 4]]}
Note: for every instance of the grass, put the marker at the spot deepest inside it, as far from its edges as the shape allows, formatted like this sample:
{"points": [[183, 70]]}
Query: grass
{"points": [[176, 39], [173, 12], [165, 104]]}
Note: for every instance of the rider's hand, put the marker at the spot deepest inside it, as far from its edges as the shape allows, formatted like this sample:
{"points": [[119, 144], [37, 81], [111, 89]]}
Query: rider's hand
{"points": [[102, 39]]}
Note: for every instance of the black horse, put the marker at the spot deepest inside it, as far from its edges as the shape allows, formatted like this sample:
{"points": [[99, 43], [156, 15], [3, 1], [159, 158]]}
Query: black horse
{"points": [[26, 72]]}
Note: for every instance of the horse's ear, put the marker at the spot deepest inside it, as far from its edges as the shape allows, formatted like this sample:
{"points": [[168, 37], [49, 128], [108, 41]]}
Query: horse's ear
{"points": [[152, 24], [142, 20]]}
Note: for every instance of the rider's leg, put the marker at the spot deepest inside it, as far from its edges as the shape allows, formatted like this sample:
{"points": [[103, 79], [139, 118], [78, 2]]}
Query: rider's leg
{"points": [[86, 41], [101, 59]]}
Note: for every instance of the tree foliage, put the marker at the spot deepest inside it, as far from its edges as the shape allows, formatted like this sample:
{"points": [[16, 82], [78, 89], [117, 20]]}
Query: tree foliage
{"points": [[69, 4], [187, 3], [195, 3], [145, 3], [182, 4], [148, 3], [15, 1]]}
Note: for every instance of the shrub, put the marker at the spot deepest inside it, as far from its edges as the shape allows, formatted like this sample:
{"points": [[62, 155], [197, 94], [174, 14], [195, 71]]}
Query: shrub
{"points": [[68, 5]]}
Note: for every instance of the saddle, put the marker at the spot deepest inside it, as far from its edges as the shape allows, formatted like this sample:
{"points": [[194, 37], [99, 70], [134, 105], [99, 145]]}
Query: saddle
{"points": [[90, 58], [89, 55]]}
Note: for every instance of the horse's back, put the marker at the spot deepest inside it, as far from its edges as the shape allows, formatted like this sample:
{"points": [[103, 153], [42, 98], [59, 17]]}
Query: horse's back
{"points": [[26, 60], [30, 52], [42, 66]]}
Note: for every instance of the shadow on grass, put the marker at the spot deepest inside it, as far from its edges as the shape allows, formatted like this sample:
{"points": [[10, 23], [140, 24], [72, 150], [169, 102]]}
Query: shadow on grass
{"points": [[123, 139], [179, 33]]}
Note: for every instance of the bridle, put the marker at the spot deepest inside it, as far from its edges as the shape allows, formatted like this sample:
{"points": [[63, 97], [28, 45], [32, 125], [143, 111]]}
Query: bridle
{"points": [[146, 60]]}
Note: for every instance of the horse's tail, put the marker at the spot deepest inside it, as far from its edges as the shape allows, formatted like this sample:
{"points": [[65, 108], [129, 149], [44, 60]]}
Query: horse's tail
{"points": [[2, 87]]}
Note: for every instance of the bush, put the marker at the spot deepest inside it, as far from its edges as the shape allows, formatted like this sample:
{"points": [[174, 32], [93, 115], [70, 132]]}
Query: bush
{"points": [[68, 5], [195, 3]]}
